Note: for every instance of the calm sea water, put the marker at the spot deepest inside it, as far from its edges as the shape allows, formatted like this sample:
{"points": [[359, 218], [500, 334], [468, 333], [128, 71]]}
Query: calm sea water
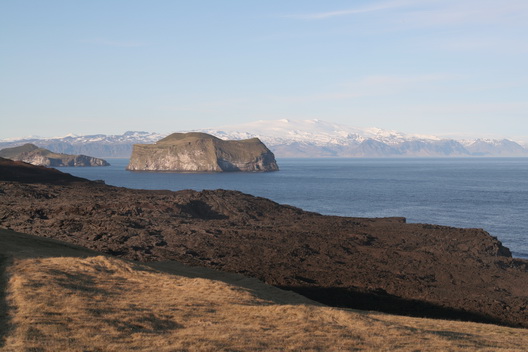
{"points": [[488, 193]]}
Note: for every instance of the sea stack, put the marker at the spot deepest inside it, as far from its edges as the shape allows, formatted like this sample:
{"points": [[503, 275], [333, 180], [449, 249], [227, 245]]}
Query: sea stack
{"points": [[201, 152]]}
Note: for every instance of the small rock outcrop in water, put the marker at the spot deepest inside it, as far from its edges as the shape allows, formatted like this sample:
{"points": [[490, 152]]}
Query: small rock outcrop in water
{"points": [[34, 155], [200, 152]]}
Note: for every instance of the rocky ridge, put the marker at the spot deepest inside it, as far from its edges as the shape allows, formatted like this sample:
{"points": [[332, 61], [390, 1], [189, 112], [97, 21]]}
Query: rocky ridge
{"points": [[34, 155], [380, 264], [200, 152]]}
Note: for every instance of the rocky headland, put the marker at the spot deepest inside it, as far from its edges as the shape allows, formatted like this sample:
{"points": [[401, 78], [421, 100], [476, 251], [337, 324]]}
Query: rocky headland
{"points": [[34, 155], [200, 152], [382, 264]]}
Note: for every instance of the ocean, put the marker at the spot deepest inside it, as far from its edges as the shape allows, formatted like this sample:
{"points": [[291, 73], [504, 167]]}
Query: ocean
{"points": [[488, 193]]}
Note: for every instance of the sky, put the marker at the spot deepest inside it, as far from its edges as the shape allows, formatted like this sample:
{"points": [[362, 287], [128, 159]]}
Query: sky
{"points": [[438, 67]]}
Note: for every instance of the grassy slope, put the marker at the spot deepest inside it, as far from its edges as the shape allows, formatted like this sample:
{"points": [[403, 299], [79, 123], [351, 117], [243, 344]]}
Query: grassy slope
{"points": [[11, 153], [31, 150], [65, 298]]}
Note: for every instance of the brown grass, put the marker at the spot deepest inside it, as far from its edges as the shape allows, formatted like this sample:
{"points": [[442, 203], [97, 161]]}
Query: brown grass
{"points": [[98, 303]]}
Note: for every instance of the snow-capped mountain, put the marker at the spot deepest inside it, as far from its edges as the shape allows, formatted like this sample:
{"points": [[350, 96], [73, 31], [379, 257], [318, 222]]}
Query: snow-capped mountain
{"points": [[294, 138], [316, 132], [97, 145], [316, 138]]}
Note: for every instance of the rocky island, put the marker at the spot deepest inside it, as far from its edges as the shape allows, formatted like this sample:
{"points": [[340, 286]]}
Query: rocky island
{"points": [[34, 155], [381, 264], [201, 152]]}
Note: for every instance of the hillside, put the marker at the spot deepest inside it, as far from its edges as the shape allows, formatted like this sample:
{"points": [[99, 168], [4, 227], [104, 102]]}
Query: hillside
{"points": [[381, 264], [201, 152], [32, 154], [60, 297], [20, 171]]}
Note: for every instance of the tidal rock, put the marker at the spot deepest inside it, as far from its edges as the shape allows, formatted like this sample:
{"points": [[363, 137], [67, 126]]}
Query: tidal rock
{"points": [[200, 152], [34, 155]]}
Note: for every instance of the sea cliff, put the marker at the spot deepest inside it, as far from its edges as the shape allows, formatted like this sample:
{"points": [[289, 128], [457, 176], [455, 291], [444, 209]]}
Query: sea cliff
{"points": [[200, 152]]}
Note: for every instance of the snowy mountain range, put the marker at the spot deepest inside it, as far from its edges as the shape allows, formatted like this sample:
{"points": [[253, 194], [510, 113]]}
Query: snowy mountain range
{"points": [[295, 138], [316, 138]]}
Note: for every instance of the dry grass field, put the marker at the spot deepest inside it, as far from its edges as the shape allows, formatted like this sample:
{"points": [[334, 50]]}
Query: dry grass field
{"points": [[58, 297]]}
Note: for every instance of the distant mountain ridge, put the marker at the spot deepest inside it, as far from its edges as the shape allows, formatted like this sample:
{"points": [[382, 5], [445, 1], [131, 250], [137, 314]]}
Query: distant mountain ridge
{"points": [[97, 145], [296, 138], [316, 138]]}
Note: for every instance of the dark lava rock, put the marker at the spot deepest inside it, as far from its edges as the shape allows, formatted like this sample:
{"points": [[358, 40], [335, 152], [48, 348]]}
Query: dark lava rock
{"points": [[380, 264], [23, 172]]}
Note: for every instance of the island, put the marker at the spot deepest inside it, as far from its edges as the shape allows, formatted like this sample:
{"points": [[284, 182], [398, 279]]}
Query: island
{"points": [[201, 152], [34, 155]]}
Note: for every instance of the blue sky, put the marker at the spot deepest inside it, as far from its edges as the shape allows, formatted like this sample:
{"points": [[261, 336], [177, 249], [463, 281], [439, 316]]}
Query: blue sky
{"points": [[440, 67]]}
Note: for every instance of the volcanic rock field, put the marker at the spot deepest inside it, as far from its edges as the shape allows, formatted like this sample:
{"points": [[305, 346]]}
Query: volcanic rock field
{"points": [[382, 264]]}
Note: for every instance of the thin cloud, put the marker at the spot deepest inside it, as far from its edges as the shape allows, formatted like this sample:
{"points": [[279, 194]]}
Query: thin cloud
{"points": [[399, 81], [375, 85], [478, 110], [391, 85], [506, 45], [206, 106], [380, 7], [436, 12], [472, 12], [115, 43], [386, 85]]}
